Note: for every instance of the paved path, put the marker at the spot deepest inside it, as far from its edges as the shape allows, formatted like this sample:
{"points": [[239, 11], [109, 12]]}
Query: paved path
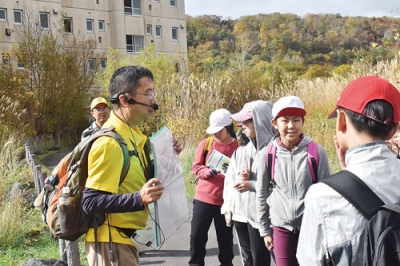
{"points": [[175, 250]]}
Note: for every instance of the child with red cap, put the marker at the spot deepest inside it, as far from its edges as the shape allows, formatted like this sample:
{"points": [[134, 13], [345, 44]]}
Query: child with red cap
{"points": [[367, 113], [285, 174]]}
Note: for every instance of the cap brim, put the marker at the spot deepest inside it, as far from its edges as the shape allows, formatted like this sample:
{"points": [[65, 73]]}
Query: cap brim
{"points": [[98, 105], [333, 114], [241, 116], [292, 111], [213, 130]]}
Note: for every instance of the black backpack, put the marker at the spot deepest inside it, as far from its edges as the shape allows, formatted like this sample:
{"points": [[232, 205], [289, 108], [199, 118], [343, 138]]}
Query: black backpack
{"points": [[382, 232]]}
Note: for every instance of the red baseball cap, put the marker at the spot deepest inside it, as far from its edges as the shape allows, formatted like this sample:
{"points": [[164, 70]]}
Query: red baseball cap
{"points": [[358, 93]]}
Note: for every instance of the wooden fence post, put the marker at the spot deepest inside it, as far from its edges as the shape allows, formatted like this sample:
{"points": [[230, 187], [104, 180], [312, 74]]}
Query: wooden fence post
{"points": [[71, 255], [38, 176]]}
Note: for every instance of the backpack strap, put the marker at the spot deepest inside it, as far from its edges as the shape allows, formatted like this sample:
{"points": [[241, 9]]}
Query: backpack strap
{"points": [[270, 160], [312, 155], [125, 166], [207, 147], [312, 150], [355, 191]]}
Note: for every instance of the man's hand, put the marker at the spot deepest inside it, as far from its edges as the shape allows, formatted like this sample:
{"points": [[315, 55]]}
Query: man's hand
{"points": [[177, 145], [151, 191]]}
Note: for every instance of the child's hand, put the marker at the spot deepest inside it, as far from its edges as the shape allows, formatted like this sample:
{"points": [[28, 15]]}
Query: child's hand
{"points": [[242, 186], [245, 174], [394, 143], [213, 173], [341, 154], [269, 242], [229, 222]]}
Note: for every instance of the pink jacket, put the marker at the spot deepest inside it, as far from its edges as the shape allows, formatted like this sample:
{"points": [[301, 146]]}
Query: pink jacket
{"points": [[210, 189]]}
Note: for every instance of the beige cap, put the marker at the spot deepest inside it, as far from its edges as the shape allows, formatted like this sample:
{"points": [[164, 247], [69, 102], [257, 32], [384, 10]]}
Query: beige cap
{"points": [[97, 101]]}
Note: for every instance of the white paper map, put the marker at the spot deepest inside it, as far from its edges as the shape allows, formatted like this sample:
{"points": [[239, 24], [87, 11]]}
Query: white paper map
{"points": [[171, 210]]}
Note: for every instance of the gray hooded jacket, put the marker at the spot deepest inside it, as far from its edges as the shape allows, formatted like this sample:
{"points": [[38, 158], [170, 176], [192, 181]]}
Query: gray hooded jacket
{"points": [[242, 205], [285, 206]]}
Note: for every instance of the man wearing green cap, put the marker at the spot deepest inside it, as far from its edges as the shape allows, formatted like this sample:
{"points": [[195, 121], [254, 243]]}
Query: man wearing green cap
{"points": [[100, 112]]}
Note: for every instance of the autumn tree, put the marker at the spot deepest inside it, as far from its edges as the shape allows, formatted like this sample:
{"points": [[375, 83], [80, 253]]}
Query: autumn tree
{"points": [[54, 75]]}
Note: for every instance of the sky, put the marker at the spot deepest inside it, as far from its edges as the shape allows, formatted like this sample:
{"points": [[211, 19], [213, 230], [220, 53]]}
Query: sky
{"points": [[236, 8]]}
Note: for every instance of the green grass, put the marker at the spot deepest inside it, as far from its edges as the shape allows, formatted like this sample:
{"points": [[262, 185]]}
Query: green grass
{"points": [[186, 158], [33, 242]]}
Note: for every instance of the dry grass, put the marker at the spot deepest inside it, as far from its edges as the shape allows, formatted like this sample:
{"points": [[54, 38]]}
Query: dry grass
{"points": [[319, 97]]}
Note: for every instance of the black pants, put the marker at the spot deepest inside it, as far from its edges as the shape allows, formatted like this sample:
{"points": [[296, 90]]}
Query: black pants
{"points": [[203, 214], [252, 246]]}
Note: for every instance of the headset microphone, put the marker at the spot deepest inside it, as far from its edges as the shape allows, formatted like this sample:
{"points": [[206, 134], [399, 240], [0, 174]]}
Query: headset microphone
{"points": [[133, 101]]}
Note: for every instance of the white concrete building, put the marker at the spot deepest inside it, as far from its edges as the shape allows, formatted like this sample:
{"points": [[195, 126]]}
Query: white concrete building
{"points": [[126, 25]]}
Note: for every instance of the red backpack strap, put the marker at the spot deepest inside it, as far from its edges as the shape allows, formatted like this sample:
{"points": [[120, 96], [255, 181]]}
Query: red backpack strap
{"points": [[312, 151]]}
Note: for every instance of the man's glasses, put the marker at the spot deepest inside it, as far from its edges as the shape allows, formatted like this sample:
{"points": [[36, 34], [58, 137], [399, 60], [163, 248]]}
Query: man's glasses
{"points": [[150, 95], [98, 110]]}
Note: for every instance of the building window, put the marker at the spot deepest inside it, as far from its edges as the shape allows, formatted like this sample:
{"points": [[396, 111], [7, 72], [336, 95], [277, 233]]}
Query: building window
{"points": [[133, 7], [17, 17], [101, 25], [89, 25], [158, 31], [103, 62], [68, 25], [156, 0], [20, 65], [175, 33], [97, 1], [149, 29], [92, 64], [44, 20], [4, 59], [134, 43], [3, 14], [172, 3]]}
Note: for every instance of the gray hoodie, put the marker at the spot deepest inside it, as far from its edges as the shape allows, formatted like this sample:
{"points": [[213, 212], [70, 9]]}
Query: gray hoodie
{"points": [[285, 206], [242, 205]]}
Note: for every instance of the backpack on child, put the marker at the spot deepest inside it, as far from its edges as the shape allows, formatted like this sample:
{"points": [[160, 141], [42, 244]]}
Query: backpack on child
{"points": [[312, 155], [382, 232], [71, 222], [206, 148]]}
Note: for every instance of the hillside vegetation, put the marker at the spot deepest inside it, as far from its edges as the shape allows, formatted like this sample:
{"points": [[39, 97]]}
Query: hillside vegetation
{"points": [[230, 63]]}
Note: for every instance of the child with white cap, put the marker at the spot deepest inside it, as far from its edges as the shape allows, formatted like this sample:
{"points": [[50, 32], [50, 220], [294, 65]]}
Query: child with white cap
{"points": [[284, 175], [209, 188]]}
